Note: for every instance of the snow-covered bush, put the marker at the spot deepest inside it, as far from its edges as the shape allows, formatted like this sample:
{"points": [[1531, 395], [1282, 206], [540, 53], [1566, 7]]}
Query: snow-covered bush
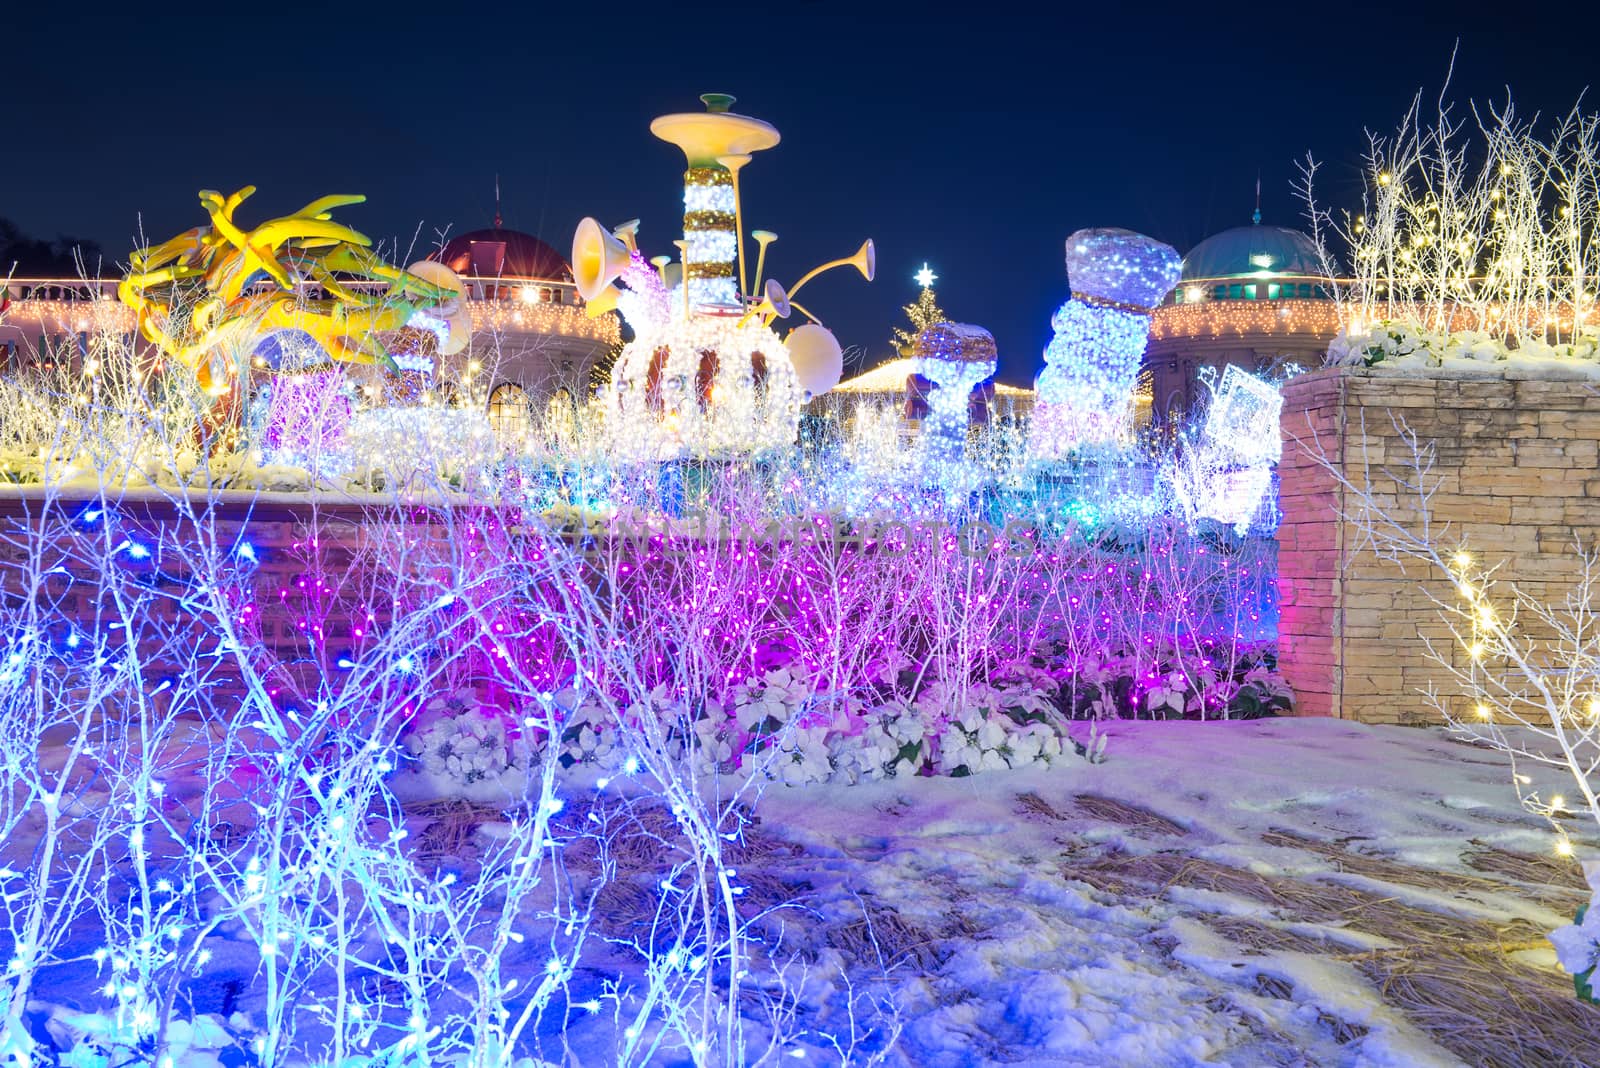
{"points": [[1403, 344], [1578, 944], [469, 750]]}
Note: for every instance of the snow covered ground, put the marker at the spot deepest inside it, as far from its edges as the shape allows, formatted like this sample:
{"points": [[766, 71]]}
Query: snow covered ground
{"points": [[1271, 892], [1236, 893]]}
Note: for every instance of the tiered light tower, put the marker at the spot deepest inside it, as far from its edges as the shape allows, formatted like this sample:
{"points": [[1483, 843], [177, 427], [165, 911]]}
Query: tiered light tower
{"points": [[706, 376]]}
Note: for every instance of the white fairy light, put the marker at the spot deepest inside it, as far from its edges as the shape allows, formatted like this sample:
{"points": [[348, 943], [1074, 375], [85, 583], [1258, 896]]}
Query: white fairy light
{"points": [[956, 357], [702, 387]]}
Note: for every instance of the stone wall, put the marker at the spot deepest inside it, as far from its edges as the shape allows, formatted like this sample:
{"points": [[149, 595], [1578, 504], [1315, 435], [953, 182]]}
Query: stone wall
{"points": [[1515, 467]]}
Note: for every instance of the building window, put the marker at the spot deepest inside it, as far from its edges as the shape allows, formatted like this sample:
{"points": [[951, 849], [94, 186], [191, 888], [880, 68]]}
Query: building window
{"points": [[1235, 292], [1305, 290], [510, 411], [561, 415], [1272, 290], [1219, 293], [1250, 291]]}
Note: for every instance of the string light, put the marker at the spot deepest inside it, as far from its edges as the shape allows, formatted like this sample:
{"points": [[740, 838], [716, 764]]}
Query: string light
{"points": [[704, 387], [95, 314], [710, 246], [100, 315], [565, 320], [1245, 318]]}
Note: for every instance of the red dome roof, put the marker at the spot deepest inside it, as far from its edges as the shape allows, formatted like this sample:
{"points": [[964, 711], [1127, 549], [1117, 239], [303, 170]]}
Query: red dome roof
{"points": [[500, 253]]}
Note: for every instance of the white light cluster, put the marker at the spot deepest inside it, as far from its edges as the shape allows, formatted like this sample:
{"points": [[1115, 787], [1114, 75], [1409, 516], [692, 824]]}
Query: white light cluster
{"points": [[1091, 369], [1121, 267], [710, 293], [740, 416], [955, 357], [418, 445], [72, 316], [1243, 421], [717, 198], [306, 420], [1225, 474], [708, 246], [644, 301], [1117, 278]]}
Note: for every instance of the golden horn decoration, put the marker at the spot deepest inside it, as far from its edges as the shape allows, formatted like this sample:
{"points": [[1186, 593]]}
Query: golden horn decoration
{"points": [[597, 258], [735, 163], [683, 254], [774, 303], [865, 260], [763, 238], [605, 301], [628, 234]]}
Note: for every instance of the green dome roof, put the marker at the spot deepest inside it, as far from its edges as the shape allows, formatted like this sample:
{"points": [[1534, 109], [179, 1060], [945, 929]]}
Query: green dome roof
{"points": [[1247, 251]]}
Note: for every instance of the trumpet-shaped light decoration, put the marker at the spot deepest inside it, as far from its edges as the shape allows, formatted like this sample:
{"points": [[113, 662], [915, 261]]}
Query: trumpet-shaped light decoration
{"points": [[1092, 363]]}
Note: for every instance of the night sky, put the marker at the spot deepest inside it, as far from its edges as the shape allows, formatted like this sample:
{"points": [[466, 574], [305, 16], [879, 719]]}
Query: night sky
{"points": [[976, 143]]}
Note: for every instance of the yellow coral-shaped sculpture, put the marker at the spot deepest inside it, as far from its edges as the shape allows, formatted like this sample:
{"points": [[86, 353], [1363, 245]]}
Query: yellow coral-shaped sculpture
{"points": [[200, 299]]}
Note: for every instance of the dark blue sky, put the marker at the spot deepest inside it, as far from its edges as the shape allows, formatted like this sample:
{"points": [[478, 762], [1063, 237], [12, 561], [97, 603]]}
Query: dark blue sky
{"points": [[976, 141]]}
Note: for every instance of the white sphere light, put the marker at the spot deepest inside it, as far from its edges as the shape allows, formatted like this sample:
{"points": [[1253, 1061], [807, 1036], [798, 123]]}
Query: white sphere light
{"points": [[817, 358]]}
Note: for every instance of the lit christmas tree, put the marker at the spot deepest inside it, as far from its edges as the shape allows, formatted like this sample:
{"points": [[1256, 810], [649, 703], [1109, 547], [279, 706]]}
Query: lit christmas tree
{"points": [[923, 314]]}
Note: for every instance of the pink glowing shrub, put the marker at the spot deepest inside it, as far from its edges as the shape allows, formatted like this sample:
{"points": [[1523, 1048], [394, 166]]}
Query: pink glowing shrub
{"points": [[307, 417]]}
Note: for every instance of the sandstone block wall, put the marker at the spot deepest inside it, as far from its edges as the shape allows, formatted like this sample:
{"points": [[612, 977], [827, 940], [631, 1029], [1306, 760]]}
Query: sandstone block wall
{"points": [[1514, 462]]}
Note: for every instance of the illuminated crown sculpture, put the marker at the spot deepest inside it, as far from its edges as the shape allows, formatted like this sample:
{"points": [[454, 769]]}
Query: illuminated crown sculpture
{"points": [[215, 296], [705, 376], [955, 357], [1092, 364]]}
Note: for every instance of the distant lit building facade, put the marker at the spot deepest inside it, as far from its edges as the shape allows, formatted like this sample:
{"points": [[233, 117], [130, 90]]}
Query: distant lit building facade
{"points": [[1254, 296], [52, 319], [532, 341], [895, 384], [531, 338]]}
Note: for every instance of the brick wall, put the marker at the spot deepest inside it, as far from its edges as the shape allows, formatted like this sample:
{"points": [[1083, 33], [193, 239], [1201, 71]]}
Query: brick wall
{"points": [[70, 536], [1515, 466]]}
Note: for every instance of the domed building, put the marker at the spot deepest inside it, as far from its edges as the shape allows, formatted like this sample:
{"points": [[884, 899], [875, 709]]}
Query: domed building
{"points": [[532, 341], [1254, 296], [497, 253]]}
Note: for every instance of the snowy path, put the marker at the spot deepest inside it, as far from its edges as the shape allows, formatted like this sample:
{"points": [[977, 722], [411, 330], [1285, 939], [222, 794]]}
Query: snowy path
{"points": [[1279, 892]]}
